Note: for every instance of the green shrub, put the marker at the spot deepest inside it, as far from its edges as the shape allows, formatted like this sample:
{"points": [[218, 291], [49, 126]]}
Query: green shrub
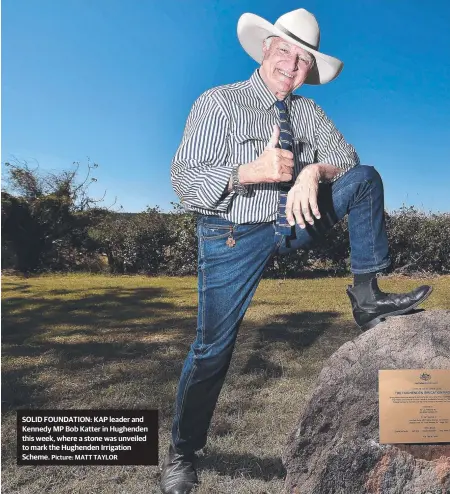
{"points": [[419, 242], [49, 223], [180, 254], [45, 219], [133, 243]]}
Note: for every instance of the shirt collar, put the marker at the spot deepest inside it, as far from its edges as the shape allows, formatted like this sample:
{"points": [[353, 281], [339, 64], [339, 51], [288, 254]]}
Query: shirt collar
{"points": [[266, 97]]}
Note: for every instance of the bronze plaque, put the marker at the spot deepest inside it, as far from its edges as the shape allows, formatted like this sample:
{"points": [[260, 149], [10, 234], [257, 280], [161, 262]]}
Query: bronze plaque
{"points": [[414, 406]]}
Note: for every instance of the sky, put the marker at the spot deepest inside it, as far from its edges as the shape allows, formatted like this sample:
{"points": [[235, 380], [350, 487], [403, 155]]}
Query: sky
{"points": [[113, 82]]}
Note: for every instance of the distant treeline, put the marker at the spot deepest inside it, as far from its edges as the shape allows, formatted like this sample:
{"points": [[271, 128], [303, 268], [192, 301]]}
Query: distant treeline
{"points": [[50, 223]]}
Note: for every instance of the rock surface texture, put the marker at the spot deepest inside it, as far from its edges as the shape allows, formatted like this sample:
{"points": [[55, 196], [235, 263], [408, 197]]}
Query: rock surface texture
{"points": [[335, 450]]}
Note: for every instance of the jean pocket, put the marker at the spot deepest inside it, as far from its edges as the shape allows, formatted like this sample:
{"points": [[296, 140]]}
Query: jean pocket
{"points": [[211, 232], [243, 230]]}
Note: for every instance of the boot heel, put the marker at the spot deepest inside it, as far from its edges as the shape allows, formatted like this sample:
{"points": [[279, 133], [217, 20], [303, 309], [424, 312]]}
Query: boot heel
{"points": [[371, 324]]}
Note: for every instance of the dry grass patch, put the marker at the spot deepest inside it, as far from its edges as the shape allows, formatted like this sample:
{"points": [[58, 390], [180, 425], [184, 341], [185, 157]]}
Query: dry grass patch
{"points": [[119, 342]]}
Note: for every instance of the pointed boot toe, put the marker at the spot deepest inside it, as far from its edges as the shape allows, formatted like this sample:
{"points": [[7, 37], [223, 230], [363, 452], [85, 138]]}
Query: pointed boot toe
{"points": [[370, 306], [178, 475]]}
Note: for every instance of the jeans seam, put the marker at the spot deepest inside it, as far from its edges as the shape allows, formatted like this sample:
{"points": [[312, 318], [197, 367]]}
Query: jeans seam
{"points": [[203, 295], [243, 234], [371, 225], [217, 237], [188, 381], [344, 187], [280, 241], [372, 269], [217, 226]]}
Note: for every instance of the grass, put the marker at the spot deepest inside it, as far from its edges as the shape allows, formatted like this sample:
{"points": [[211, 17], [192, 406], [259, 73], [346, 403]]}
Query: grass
{"points": [[97, 341]]}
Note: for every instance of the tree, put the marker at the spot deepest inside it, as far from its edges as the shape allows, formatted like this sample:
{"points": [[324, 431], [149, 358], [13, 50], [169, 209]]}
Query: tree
{"points": [[46, 216]]}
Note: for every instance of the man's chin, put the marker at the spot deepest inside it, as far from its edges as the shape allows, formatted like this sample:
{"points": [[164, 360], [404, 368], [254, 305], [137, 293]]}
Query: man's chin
{"points": [[285, 88]]}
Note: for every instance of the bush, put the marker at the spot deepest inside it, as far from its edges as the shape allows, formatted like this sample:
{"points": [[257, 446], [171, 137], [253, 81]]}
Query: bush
{"points": [[419, 242], [49, 223], [45, 219], [150, 242], [180, 254], [133, 243]]}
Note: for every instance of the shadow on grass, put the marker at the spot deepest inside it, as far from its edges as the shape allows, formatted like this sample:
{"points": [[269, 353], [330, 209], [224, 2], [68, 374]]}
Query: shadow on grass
{"points": [[307, 275], [18, 288], [90, 343], [50, 335], [30, 317], [297, 330], [242, 465]]}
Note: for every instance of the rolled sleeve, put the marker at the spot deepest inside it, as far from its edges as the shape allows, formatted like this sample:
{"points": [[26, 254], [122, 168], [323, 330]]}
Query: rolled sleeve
{"points": [[332, 148], [200, 170]]}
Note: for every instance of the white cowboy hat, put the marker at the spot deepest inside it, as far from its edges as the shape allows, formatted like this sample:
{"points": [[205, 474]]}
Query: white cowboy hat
{"points": [[298, 27]]}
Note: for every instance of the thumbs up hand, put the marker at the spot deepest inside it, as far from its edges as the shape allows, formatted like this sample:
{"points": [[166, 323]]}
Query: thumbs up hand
{"points": [[273, 165], [274, 138]]}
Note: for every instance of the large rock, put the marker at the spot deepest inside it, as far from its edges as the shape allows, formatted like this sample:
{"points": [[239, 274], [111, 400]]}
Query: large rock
{"points": [[335, 449]]}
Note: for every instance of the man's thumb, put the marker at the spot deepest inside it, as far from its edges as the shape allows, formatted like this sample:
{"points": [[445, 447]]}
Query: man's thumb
{"points": [[274, 138]]}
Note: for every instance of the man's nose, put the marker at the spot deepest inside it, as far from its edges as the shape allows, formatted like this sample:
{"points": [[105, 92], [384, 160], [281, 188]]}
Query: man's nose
{"points": [[291, 63]]}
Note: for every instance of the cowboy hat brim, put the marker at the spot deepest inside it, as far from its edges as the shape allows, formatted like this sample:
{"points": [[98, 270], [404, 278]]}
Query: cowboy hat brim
{"points": [[252, 30]]}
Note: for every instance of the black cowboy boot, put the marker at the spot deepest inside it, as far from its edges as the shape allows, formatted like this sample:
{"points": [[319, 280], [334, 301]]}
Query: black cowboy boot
{"points": [[371, 306], [178, 475]]}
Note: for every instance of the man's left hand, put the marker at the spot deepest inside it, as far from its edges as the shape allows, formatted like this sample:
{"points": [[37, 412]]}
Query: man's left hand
{"points": [[302, 198]]}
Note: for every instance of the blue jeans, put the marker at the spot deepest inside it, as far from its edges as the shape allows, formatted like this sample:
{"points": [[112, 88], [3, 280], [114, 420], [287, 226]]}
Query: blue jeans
{"points": [[229, 276]]}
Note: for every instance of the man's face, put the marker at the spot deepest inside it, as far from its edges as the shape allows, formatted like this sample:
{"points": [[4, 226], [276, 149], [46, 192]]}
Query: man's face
{"points": [[285, 67]]}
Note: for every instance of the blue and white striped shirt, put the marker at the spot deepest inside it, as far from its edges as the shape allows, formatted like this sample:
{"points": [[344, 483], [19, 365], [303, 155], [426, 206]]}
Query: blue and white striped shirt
{"points": [[231, 125]]}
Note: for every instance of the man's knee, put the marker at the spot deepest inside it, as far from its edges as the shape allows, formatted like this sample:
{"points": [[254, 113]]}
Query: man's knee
{"points": [[212, 355], [368, 173]]}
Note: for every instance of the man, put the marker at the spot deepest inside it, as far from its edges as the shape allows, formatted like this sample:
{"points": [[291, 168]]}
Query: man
{"points": [[267, 172]]}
